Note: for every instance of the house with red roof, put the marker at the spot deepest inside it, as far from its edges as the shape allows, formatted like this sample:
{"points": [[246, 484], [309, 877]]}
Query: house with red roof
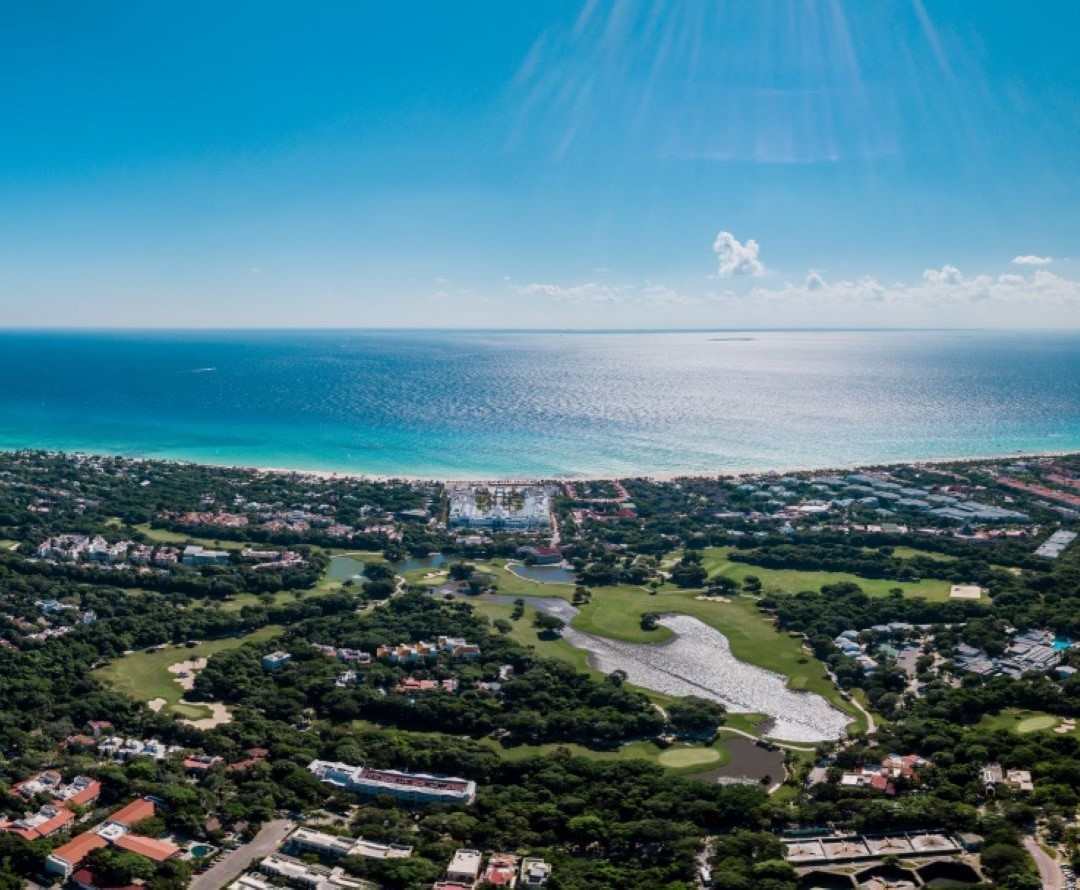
{"points": [[115, 830], [67, 857], [46, 822], [502, 870], [85, 879], [81, 790]]}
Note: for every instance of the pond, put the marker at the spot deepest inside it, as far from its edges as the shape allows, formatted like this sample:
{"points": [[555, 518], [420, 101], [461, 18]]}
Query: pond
{"points": [[750, 763], [428, 563], [552, 605], [544, 574], [346, 568], [698, 660]]}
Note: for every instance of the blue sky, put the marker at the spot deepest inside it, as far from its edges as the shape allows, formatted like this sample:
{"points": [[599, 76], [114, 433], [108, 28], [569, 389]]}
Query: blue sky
{"points": [[559, 164]]}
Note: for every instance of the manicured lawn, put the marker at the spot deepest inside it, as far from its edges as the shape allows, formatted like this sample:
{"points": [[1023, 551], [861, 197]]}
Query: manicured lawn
{"points": [[507, 582], [911, 552], [164, 536], [1035, 723], [715, 560], [1022, 721], [527, 635], [687, 757], [250, 599], [145, 675]]}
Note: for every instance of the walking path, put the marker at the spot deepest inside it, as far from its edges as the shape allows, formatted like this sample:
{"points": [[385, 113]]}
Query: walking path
{"points": [[756, 738], [232, 864]]}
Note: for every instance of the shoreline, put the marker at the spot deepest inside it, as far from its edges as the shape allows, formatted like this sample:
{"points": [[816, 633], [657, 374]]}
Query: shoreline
{"points": [[653, 476]]}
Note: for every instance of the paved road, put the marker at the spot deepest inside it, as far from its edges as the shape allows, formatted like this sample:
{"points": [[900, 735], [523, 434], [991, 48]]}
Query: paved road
{"points": [[1049, 871], [232, 864]]}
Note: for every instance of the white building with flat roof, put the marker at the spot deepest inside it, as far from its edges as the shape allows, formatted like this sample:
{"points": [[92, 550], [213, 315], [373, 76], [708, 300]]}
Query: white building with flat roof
{"points": [[415, 788], [464, 868]]}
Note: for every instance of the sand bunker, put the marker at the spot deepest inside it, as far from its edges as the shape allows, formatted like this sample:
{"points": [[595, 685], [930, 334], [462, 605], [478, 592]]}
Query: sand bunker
{"points": [[184, 673], [219, 715], [188, 669]]}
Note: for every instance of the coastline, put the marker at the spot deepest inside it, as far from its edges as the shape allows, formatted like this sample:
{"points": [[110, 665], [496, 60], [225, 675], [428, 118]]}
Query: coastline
{"points": [[562, 479]]}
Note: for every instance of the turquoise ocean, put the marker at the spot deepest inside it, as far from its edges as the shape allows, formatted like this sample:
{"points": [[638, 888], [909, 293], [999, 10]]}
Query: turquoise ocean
{"points": [[483, 404]]}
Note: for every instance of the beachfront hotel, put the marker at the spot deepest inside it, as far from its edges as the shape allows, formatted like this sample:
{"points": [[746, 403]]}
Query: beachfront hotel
{"points": [[511, 507]]}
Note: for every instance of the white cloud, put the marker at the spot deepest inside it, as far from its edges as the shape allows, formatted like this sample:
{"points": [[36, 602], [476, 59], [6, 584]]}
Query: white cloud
{"points": [[938, 289], [661, 295], [589, 292], [592, 292], [1029, 260], [735, 258], [255, 269], [945, 275]]}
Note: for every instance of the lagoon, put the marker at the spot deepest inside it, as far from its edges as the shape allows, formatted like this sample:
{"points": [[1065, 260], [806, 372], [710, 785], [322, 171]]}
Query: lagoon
{"points": [[698, 660]]}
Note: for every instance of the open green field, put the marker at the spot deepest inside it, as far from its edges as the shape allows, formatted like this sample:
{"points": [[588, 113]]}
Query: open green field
{"points": [[912, 552], [1023, 721], [507, 582], [716, 562], [164, 536], [680, 758], [145, 676]]}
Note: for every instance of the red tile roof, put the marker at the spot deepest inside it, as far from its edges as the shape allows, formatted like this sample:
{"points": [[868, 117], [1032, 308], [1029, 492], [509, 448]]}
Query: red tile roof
{"points": [[86, 878], [79, 847], [134, 812], [156, 850], [88, 795]]}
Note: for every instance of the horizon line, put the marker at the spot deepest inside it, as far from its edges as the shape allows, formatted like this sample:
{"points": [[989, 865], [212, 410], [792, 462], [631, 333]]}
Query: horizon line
{"points": [[532, 330]]}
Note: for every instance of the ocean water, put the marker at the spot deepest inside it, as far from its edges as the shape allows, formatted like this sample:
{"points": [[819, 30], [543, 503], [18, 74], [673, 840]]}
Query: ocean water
{"points": [[530, 404]]}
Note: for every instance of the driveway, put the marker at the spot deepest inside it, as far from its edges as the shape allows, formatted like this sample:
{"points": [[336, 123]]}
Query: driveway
{"points": [[1049, 871], [232, 864]]}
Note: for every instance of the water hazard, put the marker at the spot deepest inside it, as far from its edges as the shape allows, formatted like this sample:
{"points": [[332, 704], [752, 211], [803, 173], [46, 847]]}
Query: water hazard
{"points": [[698, 660]]}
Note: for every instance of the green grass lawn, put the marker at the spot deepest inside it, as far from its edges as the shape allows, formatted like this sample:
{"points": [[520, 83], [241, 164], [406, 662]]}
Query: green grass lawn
{"points": [[911, 552], [715, 560], [507, 582], [164, 536], [145, 676], [679, 758], [1022, 721]]}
